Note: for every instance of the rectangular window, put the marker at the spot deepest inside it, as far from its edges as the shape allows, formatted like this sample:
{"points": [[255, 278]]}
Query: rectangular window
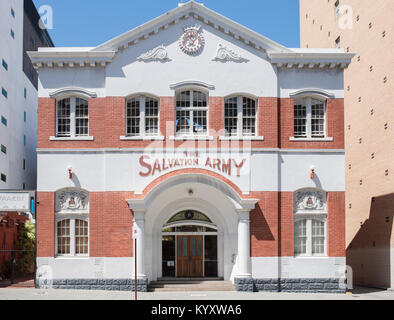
{"points": [[24, 186], [3, 149], [318, 237], [151, 117], [24, 116], [25, 93], [4, 92], [24, 164], [24, 140], [300, 237], [5, 64], [133, 117], [318, 120], [3, 120], [81, 237], [249, 117], [231, 117], [338, 43], [12, 34], [3, 177], [337, 9], [300, 121], [63, 237], [81, 118], [63, 118], [13, 12]]}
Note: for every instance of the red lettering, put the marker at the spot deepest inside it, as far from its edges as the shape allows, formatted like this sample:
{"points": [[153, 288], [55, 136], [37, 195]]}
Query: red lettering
{"points": [[145, 165], [156, 167], [226, 167], [239, 166]]}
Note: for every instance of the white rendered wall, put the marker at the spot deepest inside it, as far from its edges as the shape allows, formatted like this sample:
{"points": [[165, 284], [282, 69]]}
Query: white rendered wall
{"points": [[12, 108], [119, 171]]}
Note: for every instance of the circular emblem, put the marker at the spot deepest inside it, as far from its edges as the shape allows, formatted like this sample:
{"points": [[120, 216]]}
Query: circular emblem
{"points": [[192, 41]]}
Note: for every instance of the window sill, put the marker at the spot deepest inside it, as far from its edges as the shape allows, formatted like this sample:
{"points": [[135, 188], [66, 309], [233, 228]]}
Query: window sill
{"points": [[192, 138], [66, 257], [241, 138], [311, 257], [293, 139], [71, 138], [155, 138]]}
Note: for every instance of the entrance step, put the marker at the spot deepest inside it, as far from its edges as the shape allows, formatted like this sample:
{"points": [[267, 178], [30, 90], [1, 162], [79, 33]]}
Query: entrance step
{"points": [[186, 285]]}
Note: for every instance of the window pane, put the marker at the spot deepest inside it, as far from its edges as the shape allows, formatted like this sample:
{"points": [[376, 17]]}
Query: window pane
{"points": [[133, 117], [300, 237], [231, 117], [183, 99], [64, 118], [300, 121], [81, 237], [183, 122], [199, 99], [200, 122], [63, 237], [81, 117], [151, 117], [318, 119], [318, 237], [249, 117]]}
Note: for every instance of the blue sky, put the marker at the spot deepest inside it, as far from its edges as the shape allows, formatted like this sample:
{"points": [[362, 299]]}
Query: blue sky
{"points": [[92, 22]]}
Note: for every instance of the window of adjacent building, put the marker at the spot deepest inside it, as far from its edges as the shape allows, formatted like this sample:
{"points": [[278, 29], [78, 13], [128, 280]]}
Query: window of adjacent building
{"points": [[191, 113], [309, 118], [240, 117], [25, 93], [24, 186], [24, 140], [3, 149], [4, 92], [142, 117], [3, 177], [5, 64], [13, 12], [338, 42], [24, 164], [12, 33], [3, 120], [24, 116], [310, 223], [73, 237], [337, 9], [72, 117]]}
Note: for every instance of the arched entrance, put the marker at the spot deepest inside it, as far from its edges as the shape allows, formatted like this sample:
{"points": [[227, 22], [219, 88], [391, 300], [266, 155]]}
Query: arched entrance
{"points": [[190, 246]]}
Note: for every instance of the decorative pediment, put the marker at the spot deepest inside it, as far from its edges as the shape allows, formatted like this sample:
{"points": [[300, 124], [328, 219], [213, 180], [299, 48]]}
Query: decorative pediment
{"points": [[72, 200], [225, 54], [310, 202], [157, 54]]}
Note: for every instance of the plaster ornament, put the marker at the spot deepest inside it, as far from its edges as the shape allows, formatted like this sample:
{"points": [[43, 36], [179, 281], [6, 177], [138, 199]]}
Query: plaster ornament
{"points": [[192, 42], [225, 54], [157, 54], [310, 200], [72, 200]]}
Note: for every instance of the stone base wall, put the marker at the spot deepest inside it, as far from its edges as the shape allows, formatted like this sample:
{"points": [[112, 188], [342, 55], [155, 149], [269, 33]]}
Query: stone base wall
{"points": [[96, 284], [290, 285]]}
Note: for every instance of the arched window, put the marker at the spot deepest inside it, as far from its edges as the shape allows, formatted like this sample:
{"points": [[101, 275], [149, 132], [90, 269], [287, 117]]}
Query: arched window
{"points": [[191, 113], [240, 117], [309, 118], [72, 222], [310, 217], [72, 118], [142, 117]]}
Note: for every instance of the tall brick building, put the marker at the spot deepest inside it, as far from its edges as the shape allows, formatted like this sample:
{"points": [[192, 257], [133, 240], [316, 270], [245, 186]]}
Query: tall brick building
{"points": [[219, 149], [367, 30]]}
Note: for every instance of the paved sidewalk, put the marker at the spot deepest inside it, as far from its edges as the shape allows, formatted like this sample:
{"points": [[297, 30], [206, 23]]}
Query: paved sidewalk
{"points": [[38, 294]]}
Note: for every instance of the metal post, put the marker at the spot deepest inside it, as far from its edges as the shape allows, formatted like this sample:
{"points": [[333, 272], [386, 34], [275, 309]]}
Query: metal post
{"points": [[12, 266], [135, 269]]}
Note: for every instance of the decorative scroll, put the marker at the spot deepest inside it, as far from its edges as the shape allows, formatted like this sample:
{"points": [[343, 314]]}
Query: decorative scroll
{"points": [[72, 200], [310, 201], [224, 54], [157, 54]]}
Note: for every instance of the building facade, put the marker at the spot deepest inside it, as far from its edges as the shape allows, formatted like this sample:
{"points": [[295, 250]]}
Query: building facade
{"points": [[365, 30], [219, 150], [18, 99]]}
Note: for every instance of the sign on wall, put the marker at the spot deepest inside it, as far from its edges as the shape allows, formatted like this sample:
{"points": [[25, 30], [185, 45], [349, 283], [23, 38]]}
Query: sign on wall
{"points": [[15, 201]]}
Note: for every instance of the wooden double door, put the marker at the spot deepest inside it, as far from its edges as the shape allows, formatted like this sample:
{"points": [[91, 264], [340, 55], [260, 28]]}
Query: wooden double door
{"points": [[190, 259]]}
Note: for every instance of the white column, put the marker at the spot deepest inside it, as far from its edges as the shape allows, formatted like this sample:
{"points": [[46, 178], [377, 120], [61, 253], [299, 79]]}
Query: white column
{"points": [[244, 245], [139, 234]]}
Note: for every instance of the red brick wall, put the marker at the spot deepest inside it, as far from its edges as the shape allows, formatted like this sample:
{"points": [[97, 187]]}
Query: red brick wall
{"points": [[107, 125], [336, 224], [45, 224]]}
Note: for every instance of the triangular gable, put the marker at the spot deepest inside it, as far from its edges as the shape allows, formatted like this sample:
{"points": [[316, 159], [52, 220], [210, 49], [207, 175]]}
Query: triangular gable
{"points": [[198, 12]]}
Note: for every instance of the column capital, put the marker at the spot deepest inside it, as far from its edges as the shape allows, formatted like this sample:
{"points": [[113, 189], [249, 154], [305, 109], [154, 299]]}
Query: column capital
{"points": [[244, 215]]}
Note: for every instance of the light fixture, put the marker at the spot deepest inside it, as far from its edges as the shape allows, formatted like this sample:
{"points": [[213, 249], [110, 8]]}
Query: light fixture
{"points": [[70, 172], [313, 172]]}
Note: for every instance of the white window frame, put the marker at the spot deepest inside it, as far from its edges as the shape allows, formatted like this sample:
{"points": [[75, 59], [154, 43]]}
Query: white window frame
{"points": [[191, 109], [73, 135], [72, 218], [307, 101], [309, 237], [240, 127], [143, 135]]}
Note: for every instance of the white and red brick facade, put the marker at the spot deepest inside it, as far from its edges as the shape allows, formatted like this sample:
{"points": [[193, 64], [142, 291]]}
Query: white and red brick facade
{"points": [[254, 190]]}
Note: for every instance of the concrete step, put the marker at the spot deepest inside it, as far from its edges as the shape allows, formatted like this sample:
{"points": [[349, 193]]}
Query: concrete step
{"points": [[184, 286]]}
